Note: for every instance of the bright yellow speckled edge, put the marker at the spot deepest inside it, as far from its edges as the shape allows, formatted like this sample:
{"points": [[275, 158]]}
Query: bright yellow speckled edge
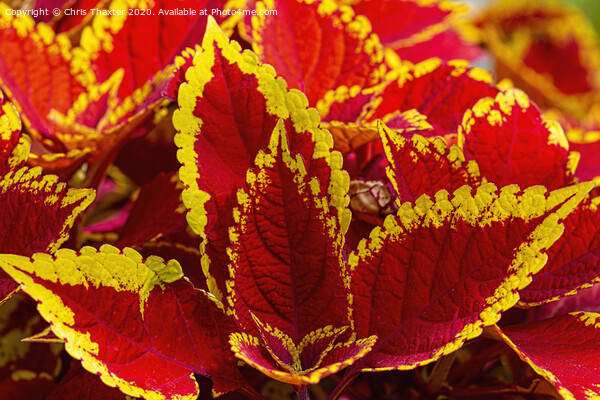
{"points": [[582, 286], [404, 71], [457, 10], [335, 228], [110, 87], [99, 35], [9, 124], [348, 137], [296, 368], [356, 26], [342, 94], [122, 116], [300, 378], [418, 144], [409, 71], [280, 102], [487, 205], [54, 43], [506, 102], [53, 191], [123, 270], [586, 318]]}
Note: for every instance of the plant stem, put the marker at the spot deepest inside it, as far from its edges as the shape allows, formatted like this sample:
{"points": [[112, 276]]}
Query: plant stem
{"points": [[440, 373], [250, 393], [341, 387], [303, 393]]}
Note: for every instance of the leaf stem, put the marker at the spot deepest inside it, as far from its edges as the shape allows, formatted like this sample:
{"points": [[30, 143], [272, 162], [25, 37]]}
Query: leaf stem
{"points": [[440, 373], [303, 393], [250, 393], [343, 385]]}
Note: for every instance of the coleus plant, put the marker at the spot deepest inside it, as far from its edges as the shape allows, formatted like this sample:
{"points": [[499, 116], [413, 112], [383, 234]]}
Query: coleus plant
{"points": [[288, 279]]}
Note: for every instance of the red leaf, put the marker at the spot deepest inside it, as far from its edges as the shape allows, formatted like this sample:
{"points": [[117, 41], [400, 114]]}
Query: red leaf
{"points": [[407, 24], [36, 215], [588, 146], [183, 247], [564, 350], [315, 358], [27, 370], [228, 109], [142, 158], [78, 18], [158, 211], [346, 104], [513, 144], [37, 212], [440, 91], [79, 384], [447, 45], [286, 254], [549, 50], [573, 261], [142, 42], [39, 70], [422, 166], [110, 307], [14, 147], [442, 270], [317, 46], [349, 137]]}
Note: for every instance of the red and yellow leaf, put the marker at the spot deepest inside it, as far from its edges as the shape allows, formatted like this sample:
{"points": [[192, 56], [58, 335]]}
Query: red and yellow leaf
{"points": [[420, 166], [110, 307], [564, 350], [37, 211], [14, 147], [348, 137], [316, 46], [44, 336], [588, 146], [158, 211], [447, 45], [80, 16], [99, 123], [229, 107], [79, 384], [440, 91], [406, 23], [346, 104], [549, 50], [282, 360], [573, 262], [36, 215], [444, 268], [286, 255], [183, 247], [39, 71], [513, 144], [27, 370], [144, 41]]}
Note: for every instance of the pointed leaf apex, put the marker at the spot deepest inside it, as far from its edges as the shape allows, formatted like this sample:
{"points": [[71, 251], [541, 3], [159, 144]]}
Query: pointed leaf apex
{"points": [[213, 33]]}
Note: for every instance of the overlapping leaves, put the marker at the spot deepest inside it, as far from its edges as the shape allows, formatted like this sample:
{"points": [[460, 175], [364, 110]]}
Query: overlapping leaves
{"points": [[37, 211], [268, 197]]}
